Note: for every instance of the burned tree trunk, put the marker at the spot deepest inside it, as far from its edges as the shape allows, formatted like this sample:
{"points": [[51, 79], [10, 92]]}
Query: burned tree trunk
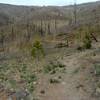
{"points": [[93, 37], [28, 36], [49, 30], [12, 34], [55, 26], [41, 29], [2, 37], [75, 12]]}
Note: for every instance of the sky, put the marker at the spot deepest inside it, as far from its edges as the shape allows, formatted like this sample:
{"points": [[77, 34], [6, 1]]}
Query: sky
{"points": [[44, 2]]}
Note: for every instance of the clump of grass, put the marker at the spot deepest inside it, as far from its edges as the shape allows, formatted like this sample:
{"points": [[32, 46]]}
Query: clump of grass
{"points": [[54, 80], [32, 78], [87, 42], [79, 48], [11, 84], [30, 87], [76, 71], [29, 78], [53, 66], [22, 68]]}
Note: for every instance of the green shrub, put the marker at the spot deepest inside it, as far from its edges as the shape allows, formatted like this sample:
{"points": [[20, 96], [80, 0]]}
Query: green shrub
{"points": [[30, 87], [79, 48], [87, 42], [22, 68], [60, 65], [48, 68], [37, 49], [29, 79]]}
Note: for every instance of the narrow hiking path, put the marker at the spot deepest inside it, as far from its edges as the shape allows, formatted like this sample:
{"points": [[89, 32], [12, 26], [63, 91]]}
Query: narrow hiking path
{"points": [[76, 83], [76, 78]]}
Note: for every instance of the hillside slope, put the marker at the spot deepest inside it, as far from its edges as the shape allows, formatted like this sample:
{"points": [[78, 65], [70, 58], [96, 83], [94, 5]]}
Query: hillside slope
{"points": [[84, 11]]}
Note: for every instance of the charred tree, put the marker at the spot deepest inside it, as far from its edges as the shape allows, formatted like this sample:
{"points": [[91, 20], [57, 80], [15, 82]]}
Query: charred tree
{"points": [[41, 28], [75, 12], [12, 34], [55, 26], [28, 36], [49, 30], [2, 39]]}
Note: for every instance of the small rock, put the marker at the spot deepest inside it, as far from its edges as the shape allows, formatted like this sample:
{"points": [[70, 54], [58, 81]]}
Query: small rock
{"points": [[60, 77], [42, 92], [79, 86], [35, 83]]}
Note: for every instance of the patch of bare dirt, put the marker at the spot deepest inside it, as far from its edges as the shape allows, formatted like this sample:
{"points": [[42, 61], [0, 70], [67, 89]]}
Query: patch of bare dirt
{"points": [[77, 84]]}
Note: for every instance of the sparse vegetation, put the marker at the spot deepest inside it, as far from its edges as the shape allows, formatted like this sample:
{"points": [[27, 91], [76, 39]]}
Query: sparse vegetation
{"points": [[87, 42], [41, 47], [80, 48], [9, 74], [76, 71], [53, 67], [54, 80]]}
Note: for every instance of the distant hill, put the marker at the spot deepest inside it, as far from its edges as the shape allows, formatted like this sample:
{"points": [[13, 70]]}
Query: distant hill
{"points": [[84, 11], [28, 20]]}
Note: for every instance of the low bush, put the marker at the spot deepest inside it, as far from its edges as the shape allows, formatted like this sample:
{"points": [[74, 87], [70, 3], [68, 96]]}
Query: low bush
{"points": [[80, 48], [37, 50], [54, 80], [53, 67], [87, 42]]}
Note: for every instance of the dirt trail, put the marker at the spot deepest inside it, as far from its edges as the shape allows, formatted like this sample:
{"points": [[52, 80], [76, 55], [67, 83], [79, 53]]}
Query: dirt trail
{"points": [[74, 86]]}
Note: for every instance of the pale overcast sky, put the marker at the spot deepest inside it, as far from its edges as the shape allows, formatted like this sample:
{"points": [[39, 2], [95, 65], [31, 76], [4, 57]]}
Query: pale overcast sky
{"points": [[44, 2]]}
